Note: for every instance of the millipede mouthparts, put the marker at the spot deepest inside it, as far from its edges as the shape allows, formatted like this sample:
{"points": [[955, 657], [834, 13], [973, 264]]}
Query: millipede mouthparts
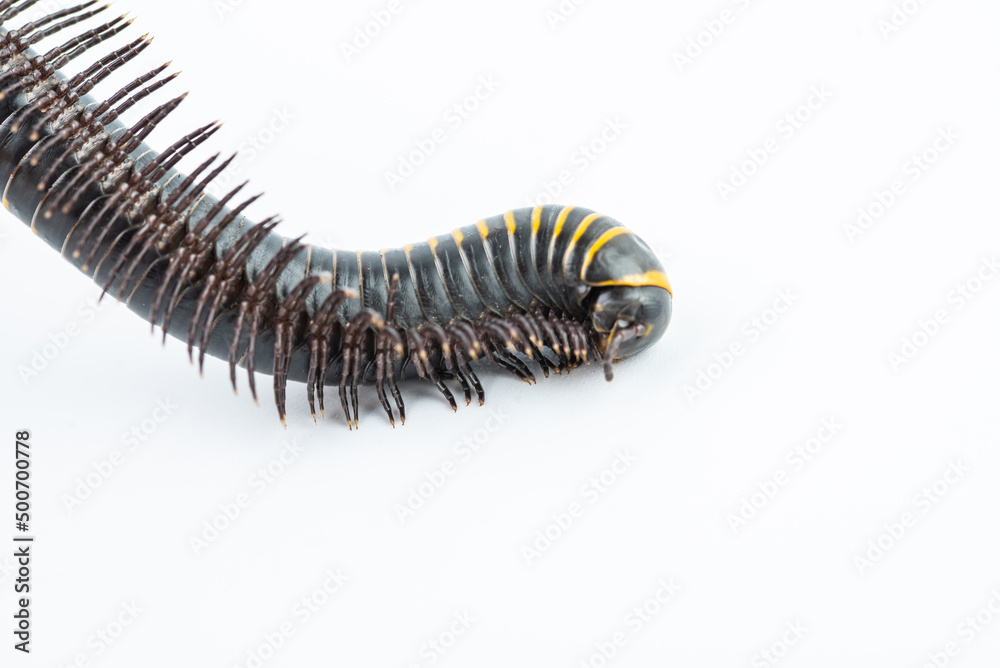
{"points": [[550, 287]]}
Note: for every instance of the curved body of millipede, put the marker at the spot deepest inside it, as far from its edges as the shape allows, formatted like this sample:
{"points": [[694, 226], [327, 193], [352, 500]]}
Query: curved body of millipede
{"points": [[550, 286]]}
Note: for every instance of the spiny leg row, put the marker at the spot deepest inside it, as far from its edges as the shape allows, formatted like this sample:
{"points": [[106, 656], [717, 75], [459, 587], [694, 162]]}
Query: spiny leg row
{"points": [[369, 342]]}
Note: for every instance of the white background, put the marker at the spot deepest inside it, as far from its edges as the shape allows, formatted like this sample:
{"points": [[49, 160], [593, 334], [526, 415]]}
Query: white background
{"points": [[698, 505]]}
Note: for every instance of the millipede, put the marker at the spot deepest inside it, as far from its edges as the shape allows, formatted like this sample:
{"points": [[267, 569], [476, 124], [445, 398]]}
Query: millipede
{"points": [[547, 288]]}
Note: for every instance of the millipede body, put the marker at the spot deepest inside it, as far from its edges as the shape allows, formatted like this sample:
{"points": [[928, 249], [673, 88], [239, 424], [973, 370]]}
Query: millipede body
{"points": [[549, 287]]}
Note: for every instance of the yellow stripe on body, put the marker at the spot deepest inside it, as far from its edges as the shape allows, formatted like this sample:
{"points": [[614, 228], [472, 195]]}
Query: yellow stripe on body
{"points": [[508, 218], [596, 246], [652, 278], [580, 231], [536, 222], [560, 222], [484, 229]]}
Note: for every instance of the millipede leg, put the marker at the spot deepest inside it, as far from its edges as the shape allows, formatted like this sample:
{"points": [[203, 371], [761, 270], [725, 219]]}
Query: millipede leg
{"points": [[311, 376], [252, 351], [278, 374], [394, 390], [466, 375], [343, 387], [324, 352], [234, 347], [380, 361], [509, 360], [355, 375]]}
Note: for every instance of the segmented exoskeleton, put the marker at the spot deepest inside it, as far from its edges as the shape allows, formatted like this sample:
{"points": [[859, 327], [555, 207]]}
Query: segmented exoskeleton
{"points": [[550, 286]]}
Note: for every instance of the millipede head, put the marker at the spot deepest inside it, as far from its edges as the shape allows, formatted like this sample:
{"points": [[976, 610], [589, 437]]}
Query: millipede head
{"points": [[629, 318], [628, 295]]}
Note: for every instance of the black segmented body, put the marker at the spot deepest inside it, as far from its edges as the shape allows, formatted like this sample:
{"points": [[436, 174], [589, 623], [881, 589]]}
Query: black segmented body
{"points": [[554, 286]]}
